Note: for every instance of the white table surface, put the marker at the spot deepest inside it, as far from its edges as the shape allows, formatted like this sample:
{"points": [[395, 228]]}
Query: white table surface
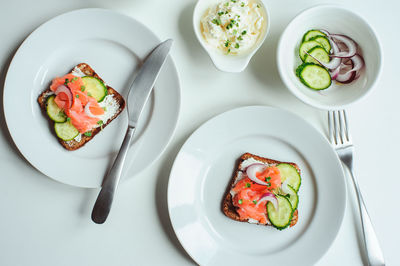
{"points": [[43, 222]]}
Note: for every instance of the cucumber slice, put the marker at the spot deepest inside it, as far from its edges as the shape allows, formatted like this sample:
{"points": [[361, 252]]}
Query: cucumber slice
{"points": [[314, 76], [95, 87], [311, 34], [53, 111], [307, 46], [290, 173], [319, 53], [280, 219], [292, 197], [65, 131], [323, 41]]}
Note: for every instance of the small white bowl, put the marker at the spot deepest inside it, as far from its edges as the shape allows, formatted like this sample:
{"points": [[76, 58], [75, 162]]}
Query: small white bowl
{"points": [[226, 63], [334, 19]]}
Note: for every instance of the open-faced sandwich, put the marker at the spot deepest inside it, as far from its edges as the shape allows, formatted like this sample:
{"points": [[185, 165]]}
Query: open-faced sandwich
{"points": [[80, 105], [263, 191]]}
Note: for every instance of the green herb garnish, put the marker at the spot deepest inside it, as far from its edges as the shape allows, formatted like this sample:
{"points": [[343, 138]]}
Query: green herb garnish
{"points": [[242, 4], [227, 4], [68, 119], [73, 79], [254, 201], [220, 13], [100, 122], [227, 43], [240, 201], [82, 88], [244, 32], [268, 184], [77, 96], [88, 134], [216, 21], [234, 1], [248, 185], [267, 178], [240, 38], [237, 45], [258, 5], [66, 81]]}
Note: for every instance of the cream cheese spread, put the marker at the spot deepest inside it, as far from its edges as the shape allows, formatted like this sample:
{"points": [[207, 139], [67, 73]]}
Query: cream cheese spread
{"points": [[234, 26]]}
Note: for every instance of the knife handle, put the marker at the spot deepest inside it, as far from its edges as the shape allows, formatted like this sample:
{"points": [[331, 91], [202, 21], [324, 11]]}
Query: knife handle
{"points": [[104, 200]]}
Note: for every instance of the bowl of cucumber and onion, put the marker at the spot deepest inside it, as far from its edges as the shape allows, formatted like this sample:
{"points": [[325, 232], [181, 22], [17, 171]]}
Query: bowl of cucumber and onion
{"points": [[329, 57]]}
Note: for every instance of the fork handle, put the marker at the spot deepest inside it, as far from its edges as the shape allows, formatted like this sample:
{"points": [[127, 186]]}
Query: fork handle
{"points": [[374, 252]]}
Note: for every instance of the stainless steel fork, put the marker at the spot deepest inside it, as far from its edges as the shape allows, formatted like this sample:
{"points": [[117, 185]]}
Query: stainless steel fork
{"points": [[341, 141]]}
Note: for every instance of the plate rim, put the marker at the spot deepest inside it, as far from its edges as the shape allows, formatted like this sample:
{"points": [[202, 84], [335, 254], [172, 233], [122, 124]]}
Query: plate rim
{"points": [[218, 116], [11, 67]]}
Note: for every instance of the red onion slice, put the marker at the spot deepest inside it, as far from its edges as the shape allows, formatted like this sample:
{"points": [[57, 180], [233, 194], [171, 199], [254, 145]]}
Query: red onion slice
{"points": [[346, 77], [252, 171], [87, 110], [67, 91], [348, 42], [269, 196]]}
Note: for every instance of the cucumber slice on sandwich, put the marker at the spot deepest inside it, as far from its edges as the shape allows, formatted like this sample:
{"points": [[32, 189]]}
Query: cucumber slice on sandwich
{"points": [[292, 197], [53, 111], [65, 131], [290, 173], [94, 88], [314, 76], [282, 217]]}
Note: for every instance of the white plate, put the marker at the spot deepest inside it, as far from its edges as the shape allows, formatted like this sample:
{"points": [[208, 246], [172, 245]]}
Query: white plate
{"points": [[113, 45], [204, 167]]}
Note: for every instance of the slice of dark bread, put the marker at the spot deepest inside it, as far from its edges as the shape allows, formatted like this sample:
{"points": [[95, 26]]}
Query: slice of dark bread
{"points": [[74, 144], [227, 205]]}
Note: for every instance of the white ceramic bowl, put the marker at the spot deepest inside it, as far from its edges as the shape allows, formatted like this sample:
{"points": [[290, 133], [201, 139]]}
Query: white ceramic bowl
{"points": [[334, 19], [226, 63]]}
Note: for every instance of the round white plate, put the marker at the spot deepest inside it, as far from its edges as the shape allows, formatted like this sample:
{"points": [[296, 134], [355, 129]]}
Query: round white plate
{"points": [[113, 45], [204, 167]]}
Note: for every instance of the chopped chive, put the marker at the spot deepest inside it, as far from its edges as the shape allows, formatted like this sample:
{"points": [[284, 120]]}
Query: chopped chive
{"points": [[258, 5], [237, 45], [88, 134], [220, 13], [100, 122], [267, 178], [227, 43], [248, 185], [68, 119], [268, 184], [240, 38], [229, 50], [73, 79], [234, 1], [77, 96], [216, 21], [240, 201], [242, 4], [83, 88], [254, 201], [66, 81], [244, 32]]}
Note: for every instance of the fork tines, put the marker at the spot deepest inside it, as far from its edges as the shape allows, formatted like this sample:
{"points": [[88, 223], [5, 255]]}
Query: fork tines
{"points": [[338, 127]]}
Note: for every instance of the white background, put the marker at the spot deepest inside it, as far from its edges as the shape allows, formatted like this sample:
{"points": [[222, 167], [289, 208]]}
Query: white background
{"points": [[43, 222]]}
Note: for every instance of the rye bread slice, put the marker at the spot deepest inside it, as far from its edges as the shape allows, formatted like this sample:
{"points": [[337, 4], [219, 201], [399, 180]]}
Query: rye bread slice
{"points": [[227, 205], [73, 144]]}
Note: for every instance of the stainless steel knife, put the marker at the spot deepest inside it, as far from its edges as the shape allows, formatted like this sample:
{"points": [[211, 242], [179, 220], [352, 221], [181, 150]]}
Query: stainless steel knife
{"points": [[139, 92]]}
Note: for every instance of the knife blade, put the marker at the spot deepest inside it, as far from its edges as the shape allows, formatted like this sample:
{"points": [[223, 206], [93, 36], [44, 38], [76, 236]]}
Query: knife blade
{"points": [[138, 94], [142, 85]]}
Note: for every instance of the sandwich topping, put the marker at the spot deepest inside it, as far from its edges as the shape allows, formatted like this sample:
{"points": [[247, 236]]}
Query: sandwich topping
{"points": [[81, 108], [266, 193], [250, 192]]}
